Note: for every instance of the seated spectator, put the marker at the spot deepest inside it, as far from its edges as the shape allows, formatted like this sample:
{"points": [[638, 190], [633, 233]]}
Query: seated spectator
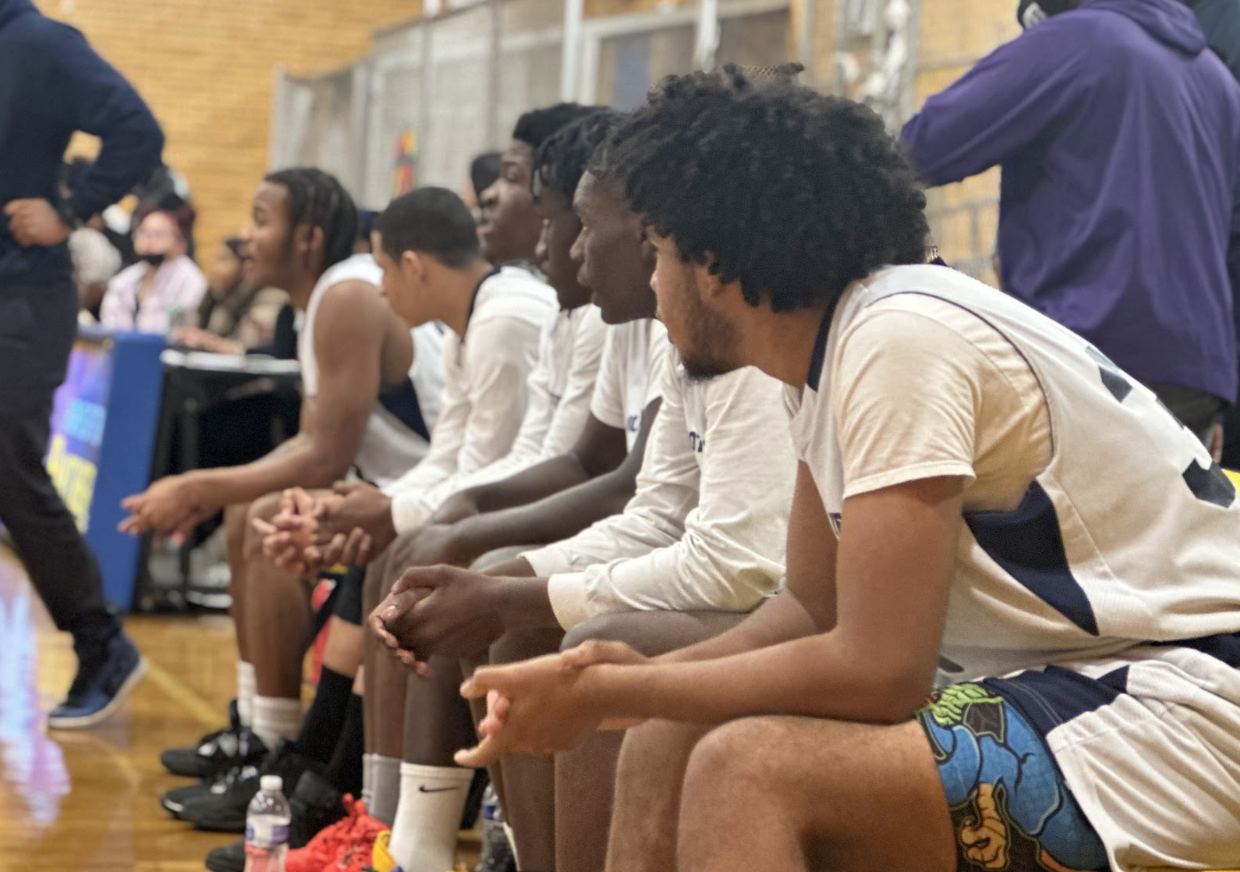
{"points": [[165, 286], [234, 315]]}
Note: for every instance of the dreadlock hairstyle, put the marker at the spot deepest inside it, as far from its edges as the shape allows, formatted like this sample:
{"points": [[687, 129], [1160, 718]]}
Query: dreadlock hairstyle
{"points": [[318, 199], [791, 193], [561, 160], [538, 125]]}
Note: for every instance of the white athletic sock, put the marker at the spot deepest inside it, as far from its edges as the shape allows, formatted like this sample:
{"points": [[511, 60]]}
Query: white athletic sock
{"points": [[368, 780], [275, 719], [429, 816], [512, 843], [247, 689], [385, 789]]}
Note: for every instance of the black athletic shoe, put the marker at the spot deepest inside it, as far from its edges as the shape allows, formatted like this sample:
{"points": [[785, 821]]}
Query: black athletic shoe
{"points": [[225, 812], [316, 804], [217, 752], [175, 800]]}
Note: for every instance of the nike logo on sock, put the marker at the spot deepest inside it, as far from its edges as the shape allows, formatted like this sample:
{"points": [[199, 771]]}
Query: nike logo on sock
{"points": [[422, 788]]}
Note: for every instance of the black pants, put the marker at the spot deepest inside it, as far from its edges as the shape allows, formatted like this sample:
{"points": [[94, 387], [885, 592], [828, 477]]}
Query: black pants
{"points": [[38, 324]]}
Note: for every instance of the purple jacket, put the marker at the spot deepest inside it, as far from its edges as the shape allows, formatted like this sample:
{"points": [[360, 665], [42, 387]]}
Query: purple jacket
{"points": [[1119, 137]]}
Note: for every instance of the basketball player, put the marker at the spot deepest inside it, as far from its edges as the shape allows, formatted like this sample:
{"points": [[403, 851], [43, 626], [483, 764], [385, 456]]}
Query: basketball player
{"points": [[986, 505], [699, 545], [371, 391]]}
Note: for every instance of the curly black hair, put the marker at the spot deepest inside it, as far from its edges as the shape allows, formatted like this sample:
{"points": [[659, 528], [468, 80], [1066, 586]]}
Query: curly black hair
{"points": [[792, 193], [538, 125], [561, 160], [318, 199]]}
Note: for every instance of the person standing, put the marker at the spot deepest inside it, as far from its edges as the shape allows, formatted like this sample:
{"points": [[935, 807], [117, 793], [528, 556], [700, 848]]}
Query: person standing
{"points": [[52, 84], [1119, 137]]}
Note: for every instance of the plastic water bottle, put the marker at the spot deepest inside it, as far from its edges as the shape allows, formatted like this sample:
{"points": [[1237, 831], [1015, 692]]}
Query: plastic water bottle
{"points": [[496, 853], [266, 827]]}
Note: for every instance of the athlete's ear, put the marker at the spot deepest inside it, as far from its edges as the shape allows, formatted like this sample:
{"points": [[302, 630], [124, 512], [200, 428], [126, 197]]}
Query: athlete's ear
{"points": [[709, 285], [311, 237], [413, 264]]}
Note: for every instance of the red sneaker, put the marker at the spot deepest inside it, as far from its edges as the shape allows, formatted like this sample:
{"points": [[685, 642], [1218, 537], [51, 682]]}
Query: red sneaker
{"points": [[324, 849], [355, 852]]}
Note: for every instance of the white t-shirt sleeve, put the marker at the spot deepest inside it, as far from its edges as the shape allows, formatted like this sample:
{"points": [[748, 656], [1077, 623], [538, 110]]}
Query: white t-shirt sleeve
{"points": [[729, 553], [906, 393], [549, 429], [501, 352], [570, 415], [667, 490], [409, 509], [607, 402]]}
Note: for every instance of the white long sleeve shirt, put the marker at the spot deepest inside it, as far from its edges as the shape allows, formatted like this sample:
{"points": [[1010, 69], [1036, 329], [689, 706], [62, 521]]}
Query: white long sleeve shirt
{"points": [[485, 391], [707, 527], [560, 388]]}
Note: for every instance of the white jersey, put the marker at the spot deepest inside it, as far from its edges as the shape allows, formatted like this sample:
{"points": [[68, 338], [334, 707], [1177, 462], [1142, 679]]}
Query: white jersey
{"points": [[485, 388], [1121, 560], [397, 434], [630, 377], [560, 388], [708, 525]]}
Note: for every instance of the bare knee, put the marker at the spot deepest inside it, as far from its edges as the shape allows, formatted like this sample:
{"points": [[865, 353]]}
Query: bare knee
{"points": [[741, 757], [614, 627], [235, 524], [653, 632], [658, 749], [516, 646]]}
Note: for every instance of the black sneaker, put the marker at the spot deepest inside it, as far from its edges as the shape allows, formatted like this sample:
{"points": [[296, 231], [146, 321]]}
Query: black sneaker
{"points": [[106, 675], [175, 801], [225, 812], [315, 805], [215, 753]]}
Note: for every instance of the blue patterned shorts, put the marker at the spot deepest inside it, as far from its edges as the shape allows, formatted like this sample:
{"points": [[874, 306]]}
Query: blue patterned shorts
{"points": [[1010, 808]]}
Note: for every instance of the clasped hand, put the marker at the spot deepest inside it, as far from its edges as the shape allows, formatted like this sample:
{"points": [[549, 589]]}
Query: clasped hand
{"points": [[546, 705]]}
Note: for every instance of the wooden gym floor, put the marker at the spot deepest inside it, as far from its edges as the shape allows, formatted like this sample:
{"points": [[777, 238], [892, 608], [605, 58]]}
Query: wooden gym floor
{"points": [[88, 800]]}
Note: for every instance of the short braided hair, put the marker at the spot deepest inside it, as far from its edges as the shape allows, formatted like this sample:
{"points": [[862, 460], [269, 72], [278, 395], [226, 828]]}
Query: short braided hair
{"points": [[318, 199]]}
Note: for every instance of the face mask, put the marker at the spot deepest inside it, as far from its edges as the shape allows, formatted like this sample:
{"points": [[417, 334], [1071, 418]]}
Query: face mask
{"points": [[153, 259], [1031, 12]]}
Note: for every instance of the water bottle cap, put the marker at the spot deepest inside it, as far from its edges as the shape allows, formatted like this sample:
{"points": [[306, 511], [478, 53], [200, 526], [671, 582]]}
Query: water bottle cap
{"points": [[271, 783]]}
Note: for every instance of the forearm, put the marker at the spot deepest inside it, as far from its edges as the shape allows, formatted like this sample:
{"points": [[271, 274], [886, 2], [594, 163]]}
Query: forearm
{"points": [[818, 676], [524, 604], [296, 463], [549, 520], [779, 619], [533, 484]]}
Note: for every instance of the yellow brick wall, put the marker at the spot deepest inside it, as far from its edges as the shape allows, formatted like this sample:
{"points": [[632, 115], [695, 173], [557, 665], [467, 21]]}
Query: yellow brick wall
{"points": [[206, 69], [953, 35]]}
